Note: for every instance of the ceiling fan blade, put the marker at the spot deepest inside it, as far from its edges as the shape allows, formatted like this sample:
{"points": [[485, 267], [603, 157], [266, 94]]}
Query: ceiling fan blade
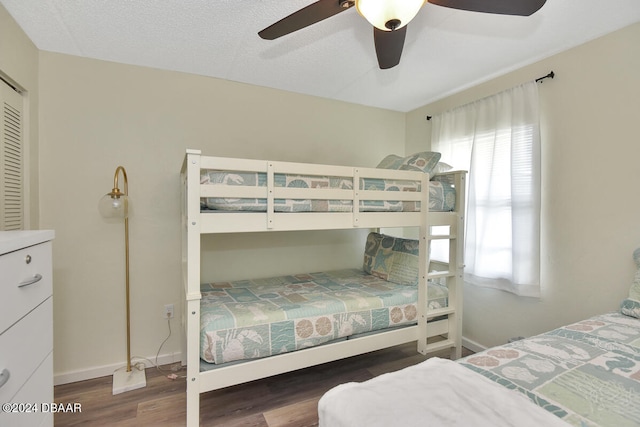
{"points": [[306, 16], [389, 46], [502, 7]]}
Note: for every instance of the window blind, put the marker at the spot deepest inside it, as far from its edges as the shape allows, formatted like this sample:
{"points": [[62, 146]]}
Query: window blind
{"points": [[11, 160]]}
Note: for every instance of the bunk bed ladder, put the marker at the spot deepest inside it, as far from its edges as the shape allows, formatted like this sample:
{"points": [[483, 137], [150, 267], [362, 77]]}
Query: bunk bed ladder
{"points": [[453, 278]]}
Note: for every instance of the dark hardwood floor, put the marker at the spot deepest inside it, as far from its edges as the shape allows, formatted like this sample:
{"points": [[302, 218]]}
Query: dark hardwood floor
{"points": [[285, 400]]}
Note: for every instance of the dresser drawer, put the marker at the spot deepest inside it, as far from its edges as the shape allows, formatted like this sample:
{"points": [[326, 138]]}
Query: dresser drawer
{"points": [[37, 391], [17, 270], [23, 347]]}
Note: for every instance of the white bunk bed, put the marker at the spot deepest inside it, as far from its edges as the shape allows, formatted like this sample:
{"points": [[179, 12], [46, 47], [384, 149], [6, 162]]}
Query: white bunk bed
{"points": [[435, 330]]}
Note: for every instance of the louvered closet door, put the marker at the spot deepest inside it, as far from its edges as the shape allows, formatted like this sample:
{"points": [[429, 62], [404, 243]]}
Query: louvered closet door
{"points": [[11, 160]]}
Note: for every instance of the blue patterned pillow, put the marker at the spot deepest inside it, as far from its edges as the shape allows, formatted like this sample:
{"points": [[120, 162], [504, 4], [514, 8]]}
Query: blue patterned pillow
{"points": [[391, 258], [631, 305], [424, 161], [390, 162], [631, 308]]}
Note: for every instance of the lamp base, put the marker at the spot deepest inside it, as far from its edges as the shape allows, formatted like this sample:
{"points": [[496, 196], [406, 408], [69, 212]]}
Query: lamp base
{"points": [[126, 381]]}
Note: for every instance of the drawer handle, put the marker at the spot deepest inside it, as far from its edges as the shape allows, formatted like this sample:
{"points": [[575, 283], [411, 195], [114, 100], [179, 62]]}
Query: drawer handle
{"points": [[4, 377], [29, 282]]}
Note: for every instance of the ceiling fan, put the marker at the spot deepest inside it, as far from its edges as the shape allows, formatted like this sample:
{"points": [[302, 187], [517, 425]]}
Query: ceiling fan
{"points": [[390, 18]]}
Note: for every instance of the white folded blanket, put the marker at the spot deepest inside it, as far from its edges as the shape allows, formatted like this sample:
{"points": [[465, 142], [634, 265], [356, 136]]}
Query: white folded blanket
{"points": [[437, 392]]}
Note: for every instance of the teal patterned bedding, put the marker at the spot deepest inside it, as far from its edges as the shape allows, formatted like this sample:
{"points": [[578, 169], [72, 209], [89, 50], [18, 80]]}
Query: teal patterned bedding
{"points": [[441, 195], [587, 373], [257, 318]]}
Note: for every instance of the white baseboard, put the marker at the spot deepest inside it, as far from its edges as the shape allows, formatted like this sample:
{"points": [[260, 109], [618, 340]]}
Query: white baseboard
{"points": [[472, 345], [108, 370]]}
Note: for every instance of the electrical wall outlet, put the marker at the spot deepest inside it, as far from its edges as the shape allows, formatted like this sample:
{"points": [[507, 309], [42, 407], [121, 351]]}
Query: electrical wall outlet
{"points": [[168, 311]]}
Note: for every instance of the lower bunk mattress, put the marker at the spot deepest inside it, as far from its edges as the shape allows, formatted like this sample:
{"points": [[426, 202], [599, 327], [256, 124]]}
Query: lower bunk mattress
{"points": [[251, 319], [583, 374], [441, 194]]}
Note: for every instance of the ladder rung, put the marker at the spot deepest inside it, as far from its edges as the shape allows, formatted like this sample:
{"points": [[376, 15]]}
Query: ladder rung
{"points": [[442, 237], [440, 312], [440, 345], [438, 274]]}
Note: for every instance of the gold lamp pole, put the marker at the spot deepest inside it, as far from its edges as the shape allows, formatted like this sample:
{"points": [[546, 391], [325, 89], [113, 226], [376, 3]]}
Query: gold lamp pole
{"points": [[115, 204]]}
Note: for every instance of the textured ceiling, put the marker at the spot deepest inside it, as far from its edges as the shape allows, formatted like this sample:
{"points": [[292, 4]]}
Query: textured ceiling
{"points": [[445, 50]]}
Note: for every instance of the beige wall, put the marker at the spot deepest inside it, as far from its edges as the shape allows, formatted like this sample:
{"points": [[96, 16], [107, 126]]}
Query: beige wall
{"points": [[98, 115], [590, 198], [19, 65]]}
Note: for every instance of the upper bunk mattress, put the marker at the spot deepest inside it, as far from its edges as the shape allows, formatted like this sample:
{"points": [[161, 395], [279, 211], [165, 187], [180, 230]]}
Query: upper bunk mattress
{"points": [[441, 195], [249, 319]]}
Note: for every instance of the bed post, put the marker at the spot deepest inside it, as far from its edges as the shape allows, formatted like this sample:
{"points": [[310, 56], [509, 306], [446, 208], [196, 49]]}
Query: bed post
{"points": [[191, 277], [423, 268], [456, 264]]}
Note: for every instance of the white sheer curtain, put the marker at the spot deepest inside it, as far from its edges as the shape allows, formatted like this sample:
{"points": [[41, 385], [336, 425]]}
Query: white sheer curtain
{"points": [[497, 139]]}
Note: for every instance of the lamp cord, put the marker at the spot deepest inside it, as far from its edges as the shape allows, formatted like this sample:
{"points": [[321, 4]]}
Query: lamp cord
{"points": [[176, 366], [160, 348]]}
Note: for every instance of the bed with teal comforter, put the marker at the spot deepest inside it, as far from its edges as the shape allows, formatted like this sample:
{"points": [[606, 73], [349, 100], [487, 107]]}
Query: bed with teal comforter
{"points": [[441, 194], [250, 319], [586, 373]]}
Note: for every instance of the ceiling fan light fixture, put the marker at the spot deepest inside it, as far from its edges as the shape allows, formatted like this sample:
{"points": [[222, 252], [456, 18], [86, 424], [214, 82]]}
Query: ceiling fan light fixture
{"points": [[389, 15]]}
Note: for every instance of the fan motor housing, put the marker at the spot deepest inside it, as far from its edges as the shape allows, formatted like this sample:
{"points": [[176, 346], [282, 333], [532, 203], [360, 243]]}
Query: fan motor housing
{"points": [[392, 24]]}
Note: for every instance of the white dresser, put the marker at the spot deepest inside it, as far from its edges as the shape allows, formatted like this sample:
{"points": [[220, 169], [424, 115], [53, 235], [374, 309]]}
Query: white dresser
{"points": [[26, 328]]}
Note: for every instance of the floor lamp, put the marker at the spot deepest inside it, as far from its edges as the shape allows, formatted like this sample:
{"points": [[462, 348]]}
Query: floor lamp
{"points": [[115, 205]]}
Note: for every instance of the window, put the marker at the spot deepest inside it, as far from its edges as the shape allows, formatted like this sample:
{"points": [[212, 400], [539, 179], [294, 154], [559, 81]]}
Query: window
{"points": [[497, 140]]}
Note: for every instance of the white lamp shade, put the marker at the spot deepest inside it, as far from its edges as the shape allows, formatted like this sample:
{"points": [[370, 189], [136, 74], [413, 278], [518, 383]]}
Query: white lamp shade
{"points": [[114, 207], [381, 12]]}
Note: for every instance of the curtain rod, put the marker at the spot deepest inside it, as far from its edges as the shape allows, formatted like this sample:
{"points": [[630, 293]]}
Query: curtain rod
{"points": [[548, 76], [11, 85], [538, 80]]}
